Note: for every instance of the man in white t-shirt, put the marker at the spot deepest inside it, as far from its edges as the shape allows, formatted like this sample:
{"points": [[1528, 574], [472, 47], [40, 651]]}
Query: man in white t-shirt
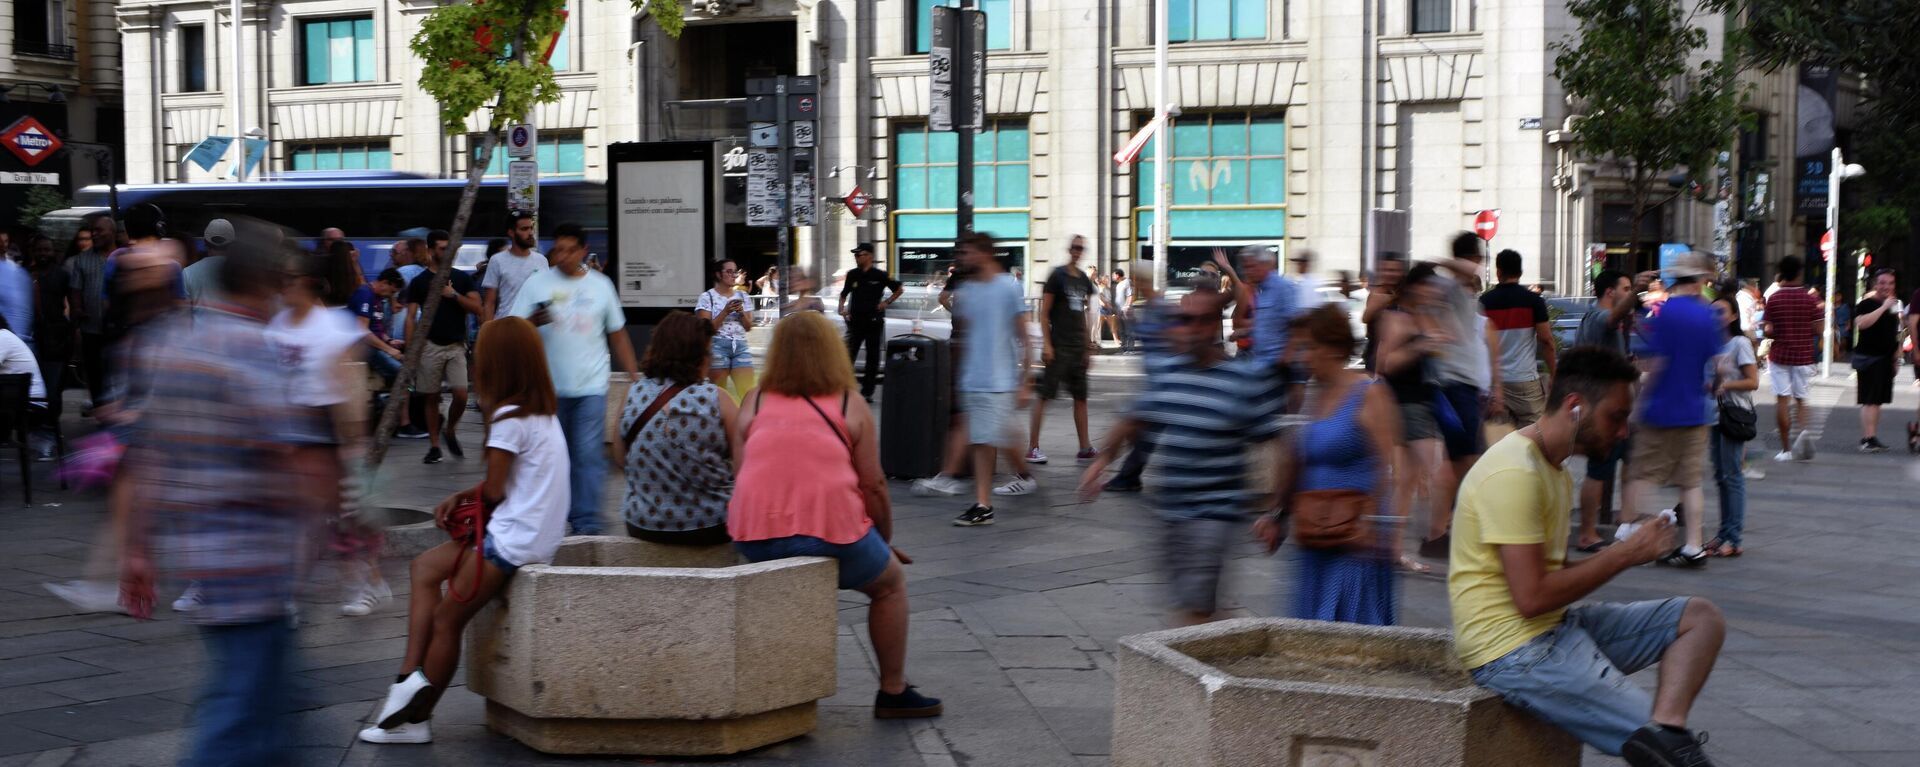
{"points": [[580, 320], [510, 268]]}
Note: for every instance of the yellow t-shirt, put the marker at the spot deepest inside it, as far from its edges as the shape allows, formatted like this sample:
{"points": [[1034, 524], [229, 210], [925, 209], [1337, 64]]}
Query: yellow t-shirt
{"points": [[1513, 495]]}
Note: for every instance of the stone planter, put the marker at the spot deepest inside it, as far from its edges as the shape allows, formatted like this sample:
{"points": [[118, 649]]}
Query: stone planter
{"points": [[1277, 692], [410, 531], [626, 647]]}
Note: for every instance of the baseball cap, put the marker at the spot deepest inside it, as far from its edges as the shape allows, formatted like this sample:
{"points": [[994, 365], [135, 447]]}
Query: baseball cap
{"points": [[864, 247], [219, 233]]}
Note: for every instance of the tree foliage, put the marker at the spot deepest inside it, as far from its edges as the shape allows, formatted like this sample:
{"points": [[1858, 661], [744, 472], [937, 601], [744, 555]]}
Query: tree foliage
{"points": [[40, 201], [1644, 105], [467, 49]]}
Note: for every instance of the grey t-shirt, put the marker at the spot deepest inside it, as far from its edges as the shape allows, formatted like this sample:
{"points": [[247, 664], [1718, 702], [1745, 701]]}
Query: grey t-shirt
{"points": [[1737, 352], [1597, 328], [1467, 362], [506, 272]]}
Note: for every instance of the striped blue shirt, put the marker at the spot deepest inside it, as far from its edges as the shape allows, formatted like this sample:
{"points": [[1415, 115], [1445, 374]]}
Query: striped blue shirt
{"points": [[1199, 420]]}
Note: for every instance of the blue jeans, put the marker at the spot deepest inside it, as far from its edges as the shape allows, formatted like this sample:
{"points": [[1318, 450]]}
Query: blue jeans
{"points": [[1731, 478], [584, 421], [386, 366], [861, 562], [249, 673]]}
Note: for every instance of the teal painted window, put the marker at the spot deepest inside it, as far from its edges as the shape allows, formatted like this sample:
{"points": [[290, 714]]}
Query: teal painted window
{"points": [[927, 162], [562, 58], [999, 23], [1192, 20], [1223, 158], [559, 154], [337, 51], [359, 155]]}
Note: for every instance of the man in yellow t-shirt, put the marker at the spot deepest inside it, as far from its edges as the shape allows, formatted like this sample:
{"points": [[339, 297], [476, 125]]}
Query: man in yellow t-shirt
{"points": [[1512, 591]]}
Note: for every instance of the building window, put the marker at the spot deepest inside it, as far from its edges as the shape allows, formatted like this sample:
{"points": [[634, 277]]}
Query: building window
{"points": [[353, 155], [1190, 20], [337, 51], [999, 23], [1432, 16], [1229, 177], [926, 190], [40, 28], [193, 58], [559, 154]]}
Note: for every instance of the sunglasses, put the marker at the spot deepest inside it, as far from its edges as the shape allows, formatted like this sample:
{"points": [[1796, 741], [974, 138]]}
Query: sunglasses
{"points": [[1076, 249]]}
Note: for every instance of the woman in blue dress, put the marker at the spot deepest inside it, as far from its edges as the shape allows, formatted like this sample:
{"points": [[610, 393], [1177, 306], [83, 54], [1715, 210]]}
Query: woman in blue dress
{"points": [[1347, 445]]}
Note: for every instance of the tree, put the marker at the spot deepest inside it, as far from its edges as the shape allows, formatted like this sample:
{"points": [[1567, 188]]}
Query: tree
{"points": [[472, 54], [1643, 106], [40, 201]]}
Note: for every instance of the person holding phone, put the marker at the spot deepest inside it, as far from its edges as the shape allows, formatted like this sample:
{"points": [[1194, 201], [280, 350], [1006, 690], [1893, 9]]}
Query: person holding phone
{"points": [[730, 310]]}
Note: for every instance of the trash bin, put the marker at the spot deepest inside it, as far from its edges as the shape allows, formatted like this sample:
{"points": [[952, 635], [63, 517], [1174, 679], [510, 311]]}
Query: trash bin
{"points": [[916, 405]]}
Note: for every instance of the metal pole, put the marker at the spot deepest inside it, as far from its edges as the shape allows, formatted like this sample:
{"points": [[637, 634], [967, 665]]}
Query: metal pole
{"points": [[785, 235], [239, 84], [1835, 174], [964, 116], [1162, 189]]}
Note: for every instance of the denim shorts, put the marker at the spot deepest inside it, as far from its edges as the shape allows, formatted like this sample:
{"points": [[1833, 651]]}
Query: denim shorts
{"points": [[1575, 675], [492, 554], [1463, 433], [730, 353], [861, 562]]}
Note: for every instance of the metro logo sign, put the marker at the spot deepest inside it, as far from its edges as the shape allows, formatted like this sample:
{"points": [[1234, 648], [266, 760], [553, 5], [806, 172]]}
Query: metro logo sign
{"points": [[30, 141]]}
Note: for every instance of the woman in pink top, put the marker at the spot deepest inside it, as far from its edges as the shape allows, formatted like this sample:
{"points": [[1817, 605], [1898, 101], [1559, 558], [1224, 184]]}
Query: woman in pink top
{"points": [[808, 484]]}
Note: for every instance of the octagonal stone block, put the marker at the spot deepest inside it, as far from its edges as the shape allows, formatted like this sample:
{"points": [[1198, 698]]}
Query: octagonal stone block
{"points": [[1278, 692], [625, 647]]}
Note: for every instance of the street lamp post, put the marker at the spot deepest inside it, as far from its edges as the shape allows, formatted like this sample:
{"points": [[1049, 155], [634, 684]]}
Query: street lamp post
{"points": [[1838, 171]]}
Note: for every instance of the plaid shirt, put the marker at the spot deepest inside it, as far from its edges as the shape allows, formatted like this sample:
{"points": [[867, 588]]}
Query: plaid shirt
{"points": [[1792, 316], [210, 448]]}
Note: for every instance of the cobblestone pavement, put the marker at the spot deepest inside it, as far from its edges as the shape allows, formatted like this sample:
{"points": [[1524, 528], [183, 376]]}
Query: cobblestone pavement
{"points": [[1014, 626]]}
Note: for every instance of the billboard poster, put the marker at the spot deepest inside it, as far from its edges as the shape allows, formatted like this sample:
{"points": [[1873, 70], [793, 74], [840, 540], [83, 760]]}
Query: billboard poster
{"points": [[1813, 139], [663, 224]]}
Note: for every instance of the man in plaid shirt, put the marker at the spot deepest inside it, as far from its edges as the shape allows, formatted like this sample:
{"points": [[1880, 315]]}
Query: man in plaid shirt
{"points": [[208, 460], [1793, 321]]}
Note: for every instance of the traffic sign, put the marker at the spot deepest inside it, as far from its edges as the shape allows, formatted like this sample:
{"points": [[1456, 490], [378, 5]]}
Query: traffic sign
{"points": [[1487, 224], [802, 107], [1826, 246], [523, 186], [856, 201], [521, 141], [30, 141]]}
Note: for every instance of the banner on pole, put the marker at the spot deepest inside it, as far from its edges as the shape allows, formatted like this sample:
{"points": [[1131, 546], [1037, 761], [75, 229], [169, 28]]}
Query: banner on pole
{"points": [[209, 151]]}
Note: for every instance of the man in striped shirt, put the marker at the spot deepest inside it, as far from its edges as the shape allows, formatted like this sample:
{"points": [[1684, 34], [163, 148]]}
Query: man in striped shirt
{"points": [[1793, 321], [1199, 411], [1519, 320]]}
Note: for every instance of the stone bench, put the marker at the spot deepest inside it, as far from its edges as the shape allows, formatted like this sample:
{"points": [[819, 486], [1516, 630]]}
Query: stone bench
{"points": [[626, 647], [1279, 692]]}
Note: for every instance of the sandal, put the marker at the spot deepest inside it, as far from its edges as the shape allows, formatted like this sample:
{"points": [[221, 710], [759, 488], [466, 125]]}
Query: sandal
{"points": [[1726, 550], [1415, 566], [1594, 547]]}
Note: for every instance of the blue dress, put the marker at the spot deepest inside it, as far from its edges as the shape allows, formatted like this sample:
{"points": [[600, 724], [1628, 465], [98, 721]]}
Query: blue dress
{"points": [[1353, 586]]}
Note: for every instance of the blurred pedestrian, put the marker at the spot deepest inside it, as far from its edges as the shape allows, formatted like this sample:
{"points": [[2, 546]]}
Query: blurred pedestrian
{"points": [[865, 311], [210, 454], [810, 484], [1275, 302], [1344, 456], [1736, 375], [509, 269], [1468, 383], [1382, 291], [1123, 310], [1793, 322], [53, 345], [1147, 326], [993, 383], [201, 279], [17, 297], [525, 494], [1875, 356], [1412, 329], [1523, 340], [1066, 349], [678, 440], [731, 312], [443, 365], [584, 331], [1199, 410], [1670, 443], [1609, 326], [87, 301]]}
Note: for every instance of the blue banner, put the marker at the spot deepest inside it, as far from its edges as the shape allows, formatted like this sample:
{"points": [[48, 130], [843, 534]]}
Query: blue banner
{"points": [[209, 152], [256, 151]]}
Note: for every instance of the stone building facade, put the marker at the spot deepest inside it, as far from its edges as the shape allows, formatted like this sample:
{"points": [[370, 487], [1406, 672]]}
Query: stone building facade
{"points": [[60, 64]]}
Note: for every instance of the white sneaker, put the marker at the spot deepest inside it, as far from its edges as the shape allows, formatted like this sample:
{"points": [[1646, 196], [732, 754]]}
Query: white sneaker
{"points": [[939, 484], [417, 732], [190, 600], [88, 596], [400, 697], [364, 603], [1783, 456], [1035, 456], [1756, 475], [1019, 486]]}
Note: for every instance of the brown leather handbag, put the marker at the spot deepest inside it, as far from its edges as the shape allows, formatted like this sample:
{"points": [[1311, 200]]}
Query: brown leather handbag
{"points": [[1330, 519]]}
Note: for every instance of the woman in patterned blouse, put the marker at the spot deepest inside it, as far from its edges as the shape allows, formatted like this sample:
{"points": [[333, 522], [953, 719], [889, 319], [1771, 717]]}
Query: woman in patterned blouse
{"points": [[679, 460]]}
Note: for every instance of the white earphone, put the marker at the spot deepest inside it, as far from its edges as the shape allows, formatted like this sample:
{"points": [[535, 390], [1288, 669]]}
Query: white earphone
{"points": [[1576, 415]]}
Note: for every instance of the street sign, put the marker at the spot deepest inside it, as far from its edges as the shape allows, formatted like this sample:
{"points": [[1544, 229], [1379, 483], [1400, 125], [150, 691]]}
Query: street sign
{"points": [[30, 141], [762, 108], [803, 206], [523, 186], [940, 69], [1487, 224], [976, 117], [40, 179], [765, 195], [856, 201], [521, 141], [802, 107], [803, 133], [763, 135], [803, 84], [1826, 246]]}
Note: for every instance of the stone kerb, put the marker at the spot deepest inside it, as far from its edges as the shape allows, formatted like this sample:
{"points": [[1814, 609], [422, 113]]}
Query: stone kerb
{"points": [[1279, 692], [625, 647]]}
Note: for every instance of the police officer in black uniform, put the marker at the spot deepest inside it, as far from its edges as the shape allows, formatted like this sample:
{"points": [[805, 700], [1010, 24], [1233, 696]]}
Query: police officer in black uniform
{"points": [[866, 313]]}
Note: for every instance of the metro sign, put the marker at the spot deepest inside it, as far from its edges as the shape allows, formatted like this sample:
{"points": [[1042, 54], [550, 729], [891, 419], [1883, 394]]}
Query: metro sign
{"points": [[30, 141], [857, 201]]}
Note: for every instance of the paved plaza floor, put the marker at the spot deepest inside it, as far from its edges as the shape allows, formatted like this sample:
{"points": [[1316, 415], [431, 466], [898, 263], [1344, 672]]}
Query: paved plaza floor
{"points": [[1014, 625]]}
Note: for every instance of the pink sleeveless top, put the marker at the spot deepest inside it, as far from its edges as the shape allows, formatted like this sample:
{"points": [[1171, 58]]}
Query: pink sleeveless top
{"points": [[797, 477]]}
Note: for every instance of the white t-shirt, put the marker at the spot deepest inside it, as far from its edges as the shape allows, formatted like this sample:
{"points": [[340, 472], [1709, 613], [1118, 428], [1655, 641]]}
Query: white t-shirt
{"points": [[507, 273], [581, 311], [527, 526], [713, 301], [15, 357], [311, 348]]}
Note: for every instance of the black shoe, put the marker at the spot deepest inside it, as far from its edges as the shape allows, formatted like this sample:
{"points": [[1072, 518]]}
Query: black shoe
{"points": [[410, 432], [908, 704], [1122, 485], [978, 515], [1437, 548], [453, 445], [433, 455], [1678, 558], [1657, 745], [1872, 445]]}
